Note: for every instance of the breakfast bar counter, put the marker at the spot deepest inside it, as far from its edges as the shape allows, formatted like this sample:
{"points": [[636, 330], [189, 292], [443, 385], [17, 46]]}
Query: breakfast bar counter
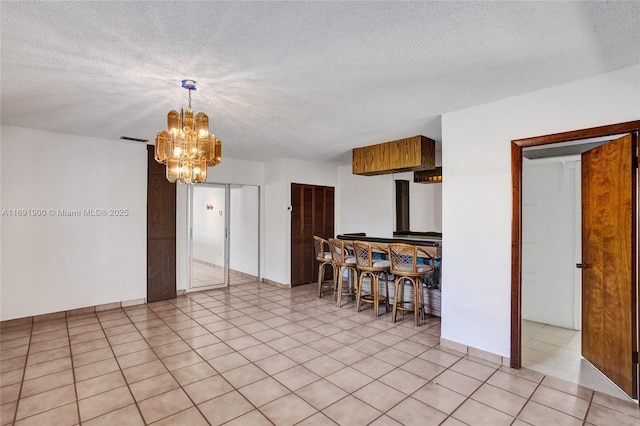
{"points": [[431, 242]]}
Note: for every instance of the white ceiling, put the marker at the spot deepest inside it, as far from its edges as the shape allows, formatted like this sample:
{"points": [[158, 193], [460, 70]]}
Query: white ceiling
{"points": [[295, 79]]}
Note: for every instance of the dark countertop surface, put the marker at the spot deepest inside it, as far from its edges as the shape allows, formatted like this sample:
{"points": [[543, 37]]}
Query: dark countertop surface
{"points": [[418, 240]]}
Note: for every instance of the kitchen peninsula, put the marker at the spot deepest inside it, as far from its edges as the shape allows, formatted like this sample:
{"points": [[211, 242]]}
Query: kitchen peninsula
{"points": [[431, 242]]}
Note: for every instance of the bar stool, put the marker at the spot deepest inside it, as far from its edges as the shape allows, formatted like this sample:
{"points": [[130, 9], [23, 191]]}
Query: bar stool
{"points": [[343, 262], [405, 267], [368, 266], [323, 255]]}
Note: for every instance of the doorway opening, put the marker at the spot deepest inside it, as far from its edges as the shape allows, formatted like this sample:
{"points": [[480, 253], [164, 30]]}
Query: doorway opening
{"points": [[224, 235], [522, 331]]}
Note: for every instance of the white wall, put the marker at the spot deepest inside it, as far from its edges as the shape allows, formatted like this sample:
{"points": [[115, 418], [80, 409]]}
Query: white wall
{"points": [[208, 225], [476, 193], [56, 263], [368, 204], [243, 239], [279, 175], [276, 257], [182, 243], [362, 204], [551, 241], [425, 207]]}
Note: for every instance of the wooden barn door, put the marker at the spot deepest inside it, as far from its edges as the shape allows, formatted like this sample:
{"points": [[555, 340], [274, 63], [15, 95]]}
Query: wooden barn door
{"points": [[161, 232]]}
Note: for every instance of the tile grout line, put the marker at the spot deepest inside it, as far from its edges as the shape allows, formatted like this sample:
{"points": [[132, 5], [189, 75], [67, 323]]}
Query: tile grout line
{"points": [[164, 365], [120, 371], [407, 396], [24, 373], [350, 366], [193, 350], [278, 352], [467, 398], [586, 413], [566, 393], [73, 371], [204, 360], [529, 398], [251, 363], [269, 305], [552, 408]]}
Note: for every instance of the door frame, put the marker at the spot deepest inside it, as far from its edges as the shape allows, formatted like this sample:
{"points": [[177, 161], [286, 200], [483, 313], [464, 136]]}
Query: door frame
{"points": [[225, 267], [227, 236], [517, 146]]}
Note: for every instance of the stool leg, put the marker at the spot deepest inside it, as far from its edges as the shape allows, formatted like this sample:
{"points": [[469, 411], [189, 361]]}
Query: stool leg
{"points": [[395, 302], [335, 282], [359, 292], [375, 294], [386, 286], [353, 273], [416, 302], [421, 302], [402, 294], [339, 286], [320, 280]]}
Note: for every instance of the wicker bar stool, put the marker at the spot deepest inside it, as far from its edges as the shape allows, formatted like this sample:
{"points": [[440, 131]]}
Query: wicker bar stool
{"points": [[368, 266], [343, 262], [405, 267], [323, 255]]}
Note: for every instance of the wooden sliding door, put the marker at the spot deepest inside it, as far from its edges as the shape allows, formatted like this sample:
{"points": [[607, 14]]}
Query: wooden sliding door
{"points": [[312, 214], [161, 232]]}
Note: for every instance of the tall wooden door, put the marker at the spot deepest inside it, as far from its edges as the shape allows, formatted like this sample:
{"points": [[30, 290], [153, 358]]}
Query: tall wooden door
{"points": [[312, 212], [161, 232], [609, 283]]}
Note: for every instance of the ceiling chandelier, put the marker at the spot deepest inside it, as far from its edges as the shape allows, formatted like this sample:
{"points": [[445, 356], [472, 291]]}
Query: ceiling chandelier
{"points": [[186, 147]]}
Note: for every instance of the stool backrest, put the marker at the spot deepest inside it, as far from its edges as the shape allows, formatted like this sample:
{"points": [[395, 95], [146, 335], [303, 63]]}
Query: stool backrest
{"points": [[404, 259], [322, 246], [364, 253], [338, 250]]}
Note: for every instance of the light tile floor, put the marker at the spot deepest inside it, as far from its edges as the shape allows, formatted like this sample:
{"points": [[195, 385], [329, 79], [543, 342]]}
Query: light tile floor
{"points": [[205, 275], [254, 354], [556, 351]]}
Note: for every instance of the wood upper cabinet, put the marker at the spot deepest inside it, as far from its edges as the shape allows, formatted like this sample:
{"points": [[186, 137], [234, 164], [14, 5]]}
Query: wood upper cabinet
{"points": [[403, 155], [312, 211]]}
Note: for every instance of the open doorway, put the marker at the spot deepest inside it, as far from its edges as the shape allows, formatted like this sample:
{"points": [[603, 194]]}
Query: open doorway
{"points": [[600, 167], [224, 231]]}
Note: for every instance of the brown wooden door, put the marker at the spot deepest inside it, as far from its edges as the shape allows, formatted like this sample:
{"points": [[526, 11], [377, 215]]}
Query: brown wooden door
{"points": [[161, 232], [609, 283], [312, 214]]}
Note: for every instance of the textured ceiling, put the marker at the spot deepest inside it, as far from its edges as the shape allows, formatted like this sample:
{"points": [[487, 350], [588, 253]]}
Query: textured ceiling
{"points": [[294, 79]]}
